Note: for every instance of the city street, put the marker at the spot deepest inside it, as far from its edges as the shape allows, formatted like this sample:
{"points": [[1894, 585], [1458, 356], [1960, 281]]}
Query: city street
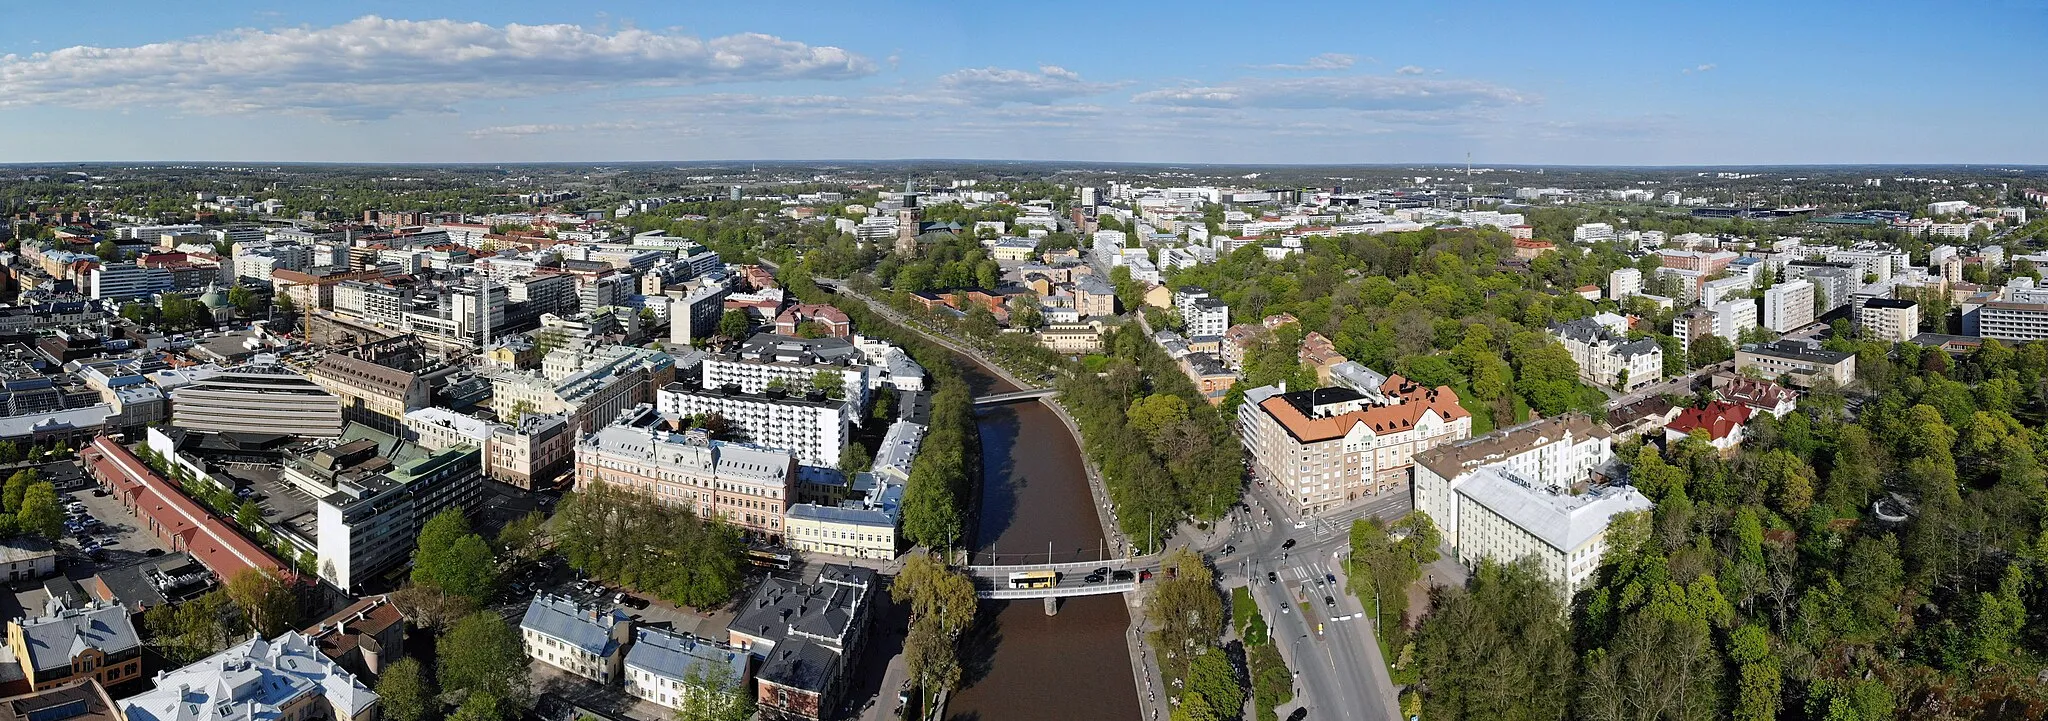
{"points": [[1339, 670]]}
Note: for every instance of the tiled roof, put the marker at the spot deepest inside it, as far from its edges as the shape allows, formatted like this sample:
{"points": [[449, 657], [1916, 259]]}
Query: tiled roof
{"points": [[1392, 418], [1718, 419]]}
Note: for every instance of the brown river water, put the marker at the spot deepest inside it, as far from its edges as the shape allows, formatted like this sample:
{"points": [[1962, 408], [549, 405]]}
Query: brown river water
{"points": [[1022, 665]]}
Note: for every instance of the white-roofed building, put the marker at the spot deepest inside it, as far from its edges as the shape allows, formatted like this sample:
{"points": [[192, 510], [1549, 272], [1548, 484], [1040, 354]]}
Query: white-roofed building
{"points": [[282, 679], [1525, 492]]}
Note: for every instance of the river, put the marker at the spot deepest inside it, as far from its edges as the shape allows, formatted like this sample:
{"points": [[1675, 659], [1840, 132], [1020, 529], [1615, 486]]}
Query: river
{"points": [[1023, 665]]}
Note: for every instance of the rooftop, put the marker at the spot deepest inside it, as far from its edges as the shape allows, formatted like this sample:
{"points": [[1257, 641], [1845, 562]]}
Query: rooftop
{"points": [[255, 680], [588, 629], [1563, 520]]}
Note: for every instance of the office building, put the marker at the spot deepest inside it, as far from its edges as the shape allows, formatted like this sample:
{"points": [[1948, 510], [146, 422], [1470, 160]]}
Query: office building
{"points": [[372, 394], [1326, 447], [375, 492], [748, 486], [259, 398], [281, 679], [1788, 306], [531, 455], [695, 314], [609, 380], [1804, 364], [586, 640], [1531, 491]]}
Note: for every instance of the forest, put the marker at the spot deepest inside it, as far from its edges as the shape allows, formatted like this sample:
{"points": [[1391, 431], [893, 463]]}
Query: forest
{"points": [[1766, 584]]}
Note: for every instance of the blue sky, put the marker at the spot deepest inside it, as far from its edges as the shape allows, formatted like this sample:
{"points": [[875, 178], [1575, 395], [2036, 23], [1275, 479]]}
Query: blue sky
{"points": [[1192, 81]]}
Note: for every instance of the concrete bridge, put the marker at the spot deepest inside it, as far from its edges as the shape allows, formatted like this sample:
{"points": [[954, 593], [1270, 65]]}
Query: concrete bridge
{"points": [[993, 582], [1014, 396]]}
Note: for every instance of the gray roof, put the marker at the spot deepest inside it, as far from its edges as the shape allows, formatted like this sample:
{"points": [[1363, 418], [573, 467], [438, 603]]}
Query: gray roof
{"points": [[672, 655], [54, 640], [854, 514], [587, 629], [1562, 520], [822, 611], [802, 665]]}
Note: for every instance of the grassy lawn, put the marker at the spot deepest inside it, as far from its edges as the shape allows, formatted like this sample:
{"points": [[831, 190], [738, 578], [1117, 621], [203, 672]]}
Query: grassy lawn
{"points": [[1251, 626]]}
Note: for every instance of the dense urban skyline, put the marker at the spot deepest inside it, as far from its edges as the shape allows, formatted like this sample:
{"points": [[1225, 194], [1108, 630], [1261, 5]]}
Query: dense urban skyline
{"points": [[1575, 84]]}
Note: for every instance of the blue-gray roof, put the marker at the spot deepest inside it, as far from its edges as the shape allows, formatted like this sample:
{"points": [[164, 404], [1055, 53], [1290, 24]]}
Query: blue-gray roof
{"points": [[585, 629], [53, 641], [672, 655]]}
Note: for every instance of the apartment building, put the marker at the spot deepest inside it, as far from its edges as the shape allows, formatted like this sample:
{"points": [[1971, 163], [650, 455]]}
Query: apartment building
{"points": [[1528, 491], [750, 487], [804, 637], [529, 455], [584, 640], [791, 362], [1624, 282], [1326, 447], [608, 380], [1788, 306], [1890, 319], [660, 663], [372, 394], [94, 641], [810, 426], [1607, 358], [280, 679]]}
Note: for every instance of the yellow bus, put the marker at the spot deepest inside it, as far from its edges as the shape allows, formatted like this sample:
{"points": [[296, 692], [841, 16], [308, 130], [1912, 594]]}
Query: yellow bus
{"points": [[1034, 579]]}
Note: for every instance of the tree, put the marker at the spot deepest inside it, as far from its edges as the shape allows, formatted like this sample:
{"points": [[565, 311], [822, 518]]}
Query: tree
{"points": [[854, 459], [942, 605], [523, 538], [197, 628], [265, 598], [1213, 679], [249, 516], [1758, 680], [404, 692], [483, 655], [244, 299], [453, 560], [734, 324], [40, 514], [479, 706], [1185, 611], [1499, 650], [832, 382], [710, 694], [107, 251], [17, 485]]}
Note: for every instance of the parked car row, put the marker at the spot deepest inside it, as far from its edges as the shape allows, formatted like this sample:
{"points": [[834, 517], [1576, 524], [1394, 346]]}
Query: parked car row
{"points": [[92, 535]]}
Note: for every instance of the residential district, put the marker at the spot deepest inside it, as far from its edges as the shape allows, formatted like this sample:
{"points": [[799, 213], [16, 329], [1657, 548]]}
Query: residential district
{"points": [[589, 454]]}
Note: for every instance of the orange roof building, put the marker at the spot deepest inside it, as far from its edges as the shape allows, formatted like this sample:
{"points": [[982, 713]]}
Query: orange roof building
{"points": [[1721, 420], [1328, 447]]}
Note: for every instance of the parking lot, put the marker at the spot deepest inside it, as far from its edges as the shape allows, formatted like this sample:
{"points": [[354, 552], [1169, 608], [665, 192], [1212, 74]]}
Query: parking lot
{"points": [[99, 534]]}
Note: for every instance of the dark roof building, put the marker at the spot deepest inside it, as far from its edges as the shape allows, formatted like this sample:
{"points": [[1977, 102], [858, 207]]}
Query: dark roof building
{"points": [[804, 634]]}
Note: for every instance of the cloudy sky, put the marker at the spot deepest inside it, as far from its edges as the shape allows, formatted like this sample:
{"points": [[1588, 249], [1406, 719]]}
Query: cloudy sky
{"points": [[1192, 81]]}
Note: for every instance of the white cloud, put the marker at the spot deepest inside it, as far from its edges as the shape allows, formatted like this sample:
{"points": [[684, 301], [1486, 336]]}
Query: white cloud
{"points": [[1325, 61], [374, 67], [1001, 85], [1701, 68], [1355, 92], [1410, 70]]}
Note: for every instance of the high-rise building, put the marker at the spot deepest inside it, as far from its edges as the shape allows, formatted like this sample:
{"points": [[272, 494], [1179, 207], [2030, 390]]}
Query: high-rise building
{"points": [[1788, 306], [1889, 319]]}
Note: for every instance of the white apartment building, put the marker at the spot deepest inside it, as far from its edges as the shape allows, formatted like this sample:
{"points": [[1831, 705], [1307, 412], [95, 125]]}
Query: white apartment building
{"points": [[795, 362], [1328, 447], [1889, 319], [1523, 492], [1204, 315], [1591, 232], [1788, 306], [1608, 358], [750, 487], [1714, 291], [813, 430], [583, 640], [1624, 282], [125, 281], [659, 663], [1732, 317]]}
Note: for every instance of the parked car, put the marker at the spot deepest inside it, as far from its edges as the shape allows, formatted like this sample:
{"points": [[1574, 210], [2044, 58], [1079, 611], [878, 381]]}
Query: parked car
{"points": [[1298, 715]]}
